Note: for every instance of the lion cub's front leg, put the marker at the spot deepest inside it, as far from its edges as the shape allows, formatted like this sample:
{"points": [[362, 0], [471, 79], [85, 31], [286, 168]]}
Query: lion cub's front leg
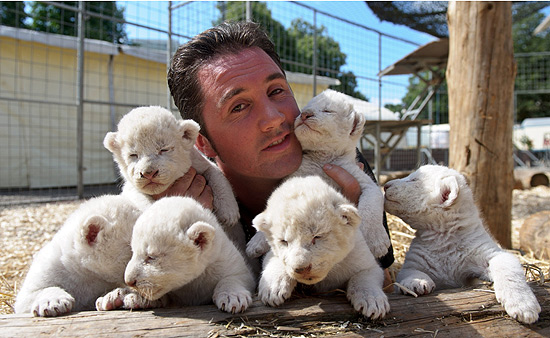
{"points": [[366, 295], [275, 285]]}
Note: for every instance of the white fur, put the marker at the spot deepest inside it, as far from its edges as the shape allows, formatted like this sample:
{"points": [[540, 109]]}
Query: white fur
{"points": [[314, 238], [85, 259], [182, 256], [452, 248], [328, 130], [153, 149]]}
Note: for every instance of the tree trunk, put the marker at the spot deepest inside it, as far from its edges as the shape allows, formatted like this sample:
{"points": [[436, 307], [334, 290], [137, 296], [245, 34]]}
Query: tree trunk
{"points": [[480, 80]]}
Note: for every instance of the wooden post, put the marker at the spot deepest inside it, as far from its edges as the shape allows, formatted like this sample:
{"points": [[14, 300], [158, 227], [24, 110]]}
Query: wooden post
{"points": [[480, 79]]}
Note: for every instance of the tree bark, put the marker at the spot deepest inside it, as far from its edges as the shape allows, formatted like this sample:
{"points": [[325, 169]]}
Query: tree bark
{"points": [[480, 79]]}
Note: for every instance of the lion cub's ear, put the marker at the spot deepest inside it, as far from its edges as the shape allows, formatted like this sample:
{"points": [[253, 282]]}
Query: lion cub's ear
{"points": [[189, 131], [448, 191], [350, 214], [110, 142], [201, 235], [261, 223], [358, 123], [92, 228]]}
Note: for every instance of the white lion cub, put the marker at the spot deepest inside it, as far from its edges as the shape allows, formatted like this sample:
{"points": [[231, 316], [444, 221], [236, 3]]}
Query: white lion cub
{"points": [[181, 256], [452, 248], [153, 149], [328, 130], [314, 238], [85, 259]]}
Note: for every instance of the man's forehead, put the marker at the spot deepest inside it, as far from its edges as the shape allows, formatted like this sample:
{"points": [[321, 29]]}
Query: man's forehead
{"points": [[232, 74]]}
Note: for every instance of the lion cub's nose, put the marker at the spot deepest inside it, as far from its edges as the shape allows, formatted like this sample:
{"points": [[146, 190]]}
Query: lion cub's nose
{"points": [[306, 115], [303, 270], [150, 174], [131, 283]]}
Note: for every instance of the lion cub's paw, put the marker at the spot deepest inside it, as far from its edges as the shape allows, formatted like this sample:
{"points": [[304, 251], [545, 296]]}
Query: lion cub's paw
{"points": [[274, 293], [522, 306], [257, 246], [420, 286], [126, 298], [371, 303], [378, 244], [233, 301], [52, 302]]}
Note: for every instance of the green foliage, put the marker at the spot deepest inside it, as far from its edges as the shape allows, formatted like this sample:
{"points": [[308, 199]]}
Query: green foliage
{"points": [[12, 13], [295, 44], [526, 141], [53, 19]]}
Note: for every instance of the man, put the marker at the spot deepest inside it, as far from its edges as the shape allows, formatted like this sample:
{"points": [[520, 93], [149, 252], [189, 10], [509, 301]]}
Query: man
{"points": [[230, 80]]}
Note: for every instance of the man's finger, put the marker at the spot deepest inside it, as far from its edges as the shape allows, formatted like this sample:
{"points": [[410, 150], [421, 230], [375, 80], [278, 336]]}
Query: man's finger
{"points": [[180, 186], [349, 184]]}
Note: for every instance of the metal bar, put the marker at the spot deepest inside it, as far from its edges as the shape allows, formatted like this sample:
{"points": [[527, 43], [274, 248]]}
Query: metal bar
{"points": [[248, 9], [169, 53], [79, 102], [356, 24], [314, 52]]}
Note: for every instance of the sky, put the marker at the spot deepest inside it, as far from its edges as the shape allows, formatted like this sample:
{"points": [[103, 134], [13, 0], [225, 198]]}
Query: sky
{"points": [[154, 13]]}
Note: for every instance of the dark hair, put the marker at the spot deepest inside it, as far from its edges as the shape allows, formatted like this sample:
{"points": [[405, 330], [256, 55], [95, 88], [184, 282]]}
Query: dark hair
{"points": [[226, 38]]}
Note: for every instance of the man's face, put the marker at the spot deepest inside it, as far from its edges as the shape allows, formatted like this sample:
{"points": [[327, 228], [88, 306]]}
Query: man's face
{"points": [[249, 114]]}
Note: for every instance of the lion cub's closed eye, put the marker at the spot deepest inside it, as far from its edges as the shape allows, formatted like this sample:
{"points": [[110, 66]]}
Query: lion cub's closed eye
{"points": [[153, 149], [313, 234], [452, 246]]}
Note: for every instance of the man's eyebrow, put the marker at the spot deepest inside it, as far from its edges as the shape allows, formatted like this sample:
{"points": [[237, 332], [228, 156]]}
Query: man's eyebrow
{"points": [[275, 76], [229, 95]]}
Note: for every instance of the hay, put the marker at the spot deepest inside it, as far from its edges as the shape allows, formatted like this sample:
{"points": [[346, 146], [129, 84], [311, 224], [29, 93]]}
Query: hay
{"points": [[24, 230]]}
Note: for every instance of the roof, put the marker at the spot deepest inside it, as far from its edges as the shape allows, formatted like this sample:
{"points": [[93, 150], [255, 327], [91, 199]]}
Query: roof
{"points": [[104, 47], [535, 122], [430, 55], [302, 78]]}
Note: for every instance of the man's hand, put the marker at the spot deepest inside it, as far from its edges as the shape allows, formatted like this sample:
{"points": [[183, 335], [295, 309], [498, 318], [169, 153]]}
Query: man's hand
{"points": [[349, 184], [190, 185]]}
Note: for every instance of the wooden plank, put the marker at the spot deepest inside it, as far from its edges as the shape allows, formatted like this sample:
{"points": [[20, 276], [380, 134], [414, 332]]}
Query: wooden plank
{"points": [[449, 313]]}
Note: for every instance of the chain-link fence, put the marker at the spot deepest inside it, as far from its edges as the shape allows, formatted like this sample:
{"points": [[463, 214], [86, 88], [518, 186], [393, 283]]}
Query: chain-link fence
{"points": [[69, 72]]}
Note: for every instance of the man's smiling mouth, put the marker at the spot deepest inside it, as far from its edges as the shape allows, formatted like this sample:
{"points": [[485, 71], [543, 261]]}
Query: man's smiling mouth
{"points": [[279, 141]]}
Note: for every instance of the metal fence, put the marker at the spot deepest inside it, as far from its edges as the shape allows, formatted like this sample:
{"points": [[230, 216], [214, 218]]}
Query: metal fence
{"points": [[68, 74]]}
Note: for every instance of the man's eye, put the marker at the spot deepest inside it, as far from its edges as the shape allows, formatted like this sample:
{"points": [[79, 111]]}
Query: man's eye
{"points": [[276, 91], [238, 108], [133, 155]]}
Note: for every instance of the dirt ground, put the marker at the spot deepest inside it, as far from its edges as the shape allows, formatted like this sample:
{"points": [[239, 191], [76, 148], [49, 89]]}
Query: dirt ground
{"points": [[25, 229]]}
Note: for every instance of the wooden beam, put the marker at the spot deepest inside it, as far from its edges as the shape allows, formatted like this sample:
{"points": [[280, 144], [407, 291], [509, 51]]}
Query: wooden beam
{"points": [[449, 313]]}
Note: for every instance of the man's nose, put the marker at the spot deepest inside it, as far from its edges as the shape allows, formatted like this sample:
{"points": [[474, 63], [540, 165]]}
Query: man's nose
{"points": [[271, 117]]}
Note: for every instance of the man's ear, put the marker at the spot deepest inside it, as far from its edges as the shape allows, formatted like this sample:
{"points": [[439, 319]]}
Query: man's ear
{"points": [[204, 145]]}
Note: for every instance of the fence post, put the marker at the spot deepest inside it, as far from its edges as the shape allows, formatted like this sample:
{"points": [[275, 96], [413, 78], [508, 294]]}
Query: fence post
{"points": [[314, 53], [80, 101], [169, 53]]}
